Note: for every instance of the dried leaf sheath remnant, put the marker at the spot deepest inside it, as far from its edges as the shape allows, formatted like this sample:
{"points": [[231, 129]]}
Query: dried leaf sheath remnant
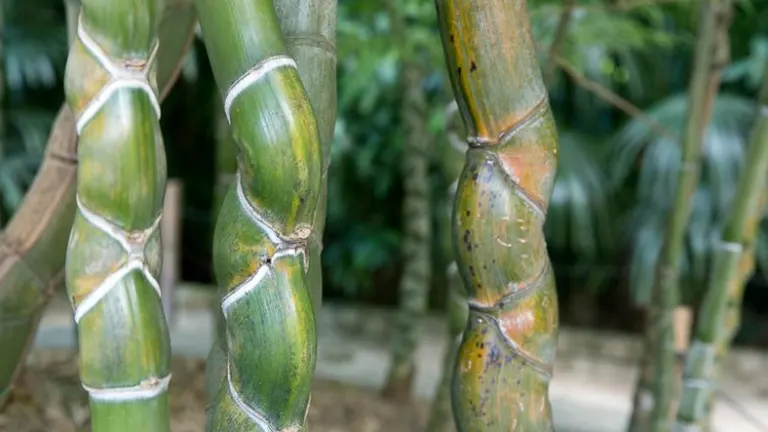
{"points": [[113, 257], [260, 372], [504, 364]]}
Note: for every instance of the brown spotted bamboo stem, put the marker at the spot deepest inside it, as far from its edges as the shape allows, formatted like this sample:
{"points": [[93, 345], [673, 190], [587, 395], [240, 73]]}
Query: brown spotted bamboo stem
{"points": [[504, 365]]}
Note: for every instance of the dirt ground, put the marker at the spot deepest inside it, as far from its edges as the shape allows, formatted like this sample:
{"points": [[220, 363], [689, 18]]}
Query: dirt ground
{"points": [[49, 399]]}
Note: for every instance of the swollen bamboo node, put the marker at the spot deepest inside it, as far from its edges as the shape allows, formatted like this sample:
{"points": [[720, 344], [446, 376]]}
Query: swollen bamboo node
{"points": [[148, 389], [129, 77], [134, 244], [504, 364]]}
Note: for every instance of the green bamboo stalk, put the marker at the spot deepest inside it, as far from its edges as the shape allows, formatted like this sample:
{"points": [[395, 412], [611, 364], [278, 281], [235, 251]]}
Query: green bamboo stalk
{"points": [[710, 56], [417, 220], [226, 158], [452, 161], [504, 365], [33, 245], [260, 246], [309, 30], [114, 254], [716, 325]]}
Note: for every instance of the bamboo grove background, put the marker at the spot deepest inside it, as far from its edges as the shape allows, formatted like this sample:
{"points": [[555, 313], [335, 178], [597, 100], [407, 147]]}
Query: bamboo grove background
{"points": [[617, 75]]}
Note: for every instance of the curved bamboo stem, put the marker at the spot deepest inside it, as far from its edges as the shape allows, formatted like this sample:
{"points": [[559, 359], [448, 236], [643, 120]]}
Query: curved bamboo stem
{"points": [[33, 245], [505, 361], [260, 246], [32, 248], [732, 266], [309, 29]]}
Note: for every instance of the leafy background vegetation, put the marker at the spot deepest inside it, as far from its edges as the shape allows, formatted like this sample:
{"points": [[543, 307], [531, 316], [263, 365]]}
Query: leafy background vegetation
{"points": [[616, 170]]}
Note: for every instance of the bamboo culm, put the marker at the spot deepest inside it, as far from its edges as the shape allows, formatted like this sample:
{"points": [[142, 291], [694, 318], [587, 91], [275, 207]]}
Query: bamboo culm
{"points": [[710, 56], [716, 326], [114, 256], [452, 160], [260, 244], [34, 243], [504, 364], [309, 29]]}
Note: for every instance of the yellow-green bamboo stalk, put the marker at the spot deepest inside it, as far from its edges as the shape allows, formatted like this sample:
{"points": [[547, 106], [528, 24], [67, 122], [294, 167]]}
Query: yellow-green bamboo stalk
{"points": [[33, 245], [260, 246], [716, 324], [309, 29], [504, 365], [114, 256]]}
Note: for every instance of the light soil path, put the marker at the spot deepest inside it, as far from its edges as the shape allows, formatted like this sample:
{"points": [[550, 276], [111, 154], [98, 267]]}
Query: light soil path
{"points": [[590, 392]]}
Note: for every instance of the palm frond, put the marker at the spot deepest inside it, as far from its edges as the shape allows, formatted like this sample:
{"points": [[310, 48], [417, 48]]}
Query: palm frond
{"points": [[35, 45], [750, 69], [649, 164]]}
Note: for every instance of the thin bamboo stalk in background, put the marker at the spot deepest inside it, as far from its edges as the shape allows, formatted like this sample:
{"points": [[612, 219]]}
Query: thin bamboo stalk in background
{"points": [[417, 219], [72, 11], [170, 230], [504, 365], [658, 385], [733, 264], [33, 245]]}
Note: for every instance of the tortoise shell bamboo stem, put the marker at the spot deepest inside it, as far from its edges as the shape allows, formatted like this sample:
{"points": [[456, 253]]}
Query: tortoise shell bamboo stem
{"points": [[33, 245], [260, 245], [114, 254], [504, 364]]}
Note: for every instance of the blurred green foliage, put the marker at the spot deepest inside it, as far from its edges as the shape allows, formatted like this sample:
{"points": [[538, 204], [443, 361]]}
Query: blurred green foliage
{"points": [[33, 54], [615, 171]]}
